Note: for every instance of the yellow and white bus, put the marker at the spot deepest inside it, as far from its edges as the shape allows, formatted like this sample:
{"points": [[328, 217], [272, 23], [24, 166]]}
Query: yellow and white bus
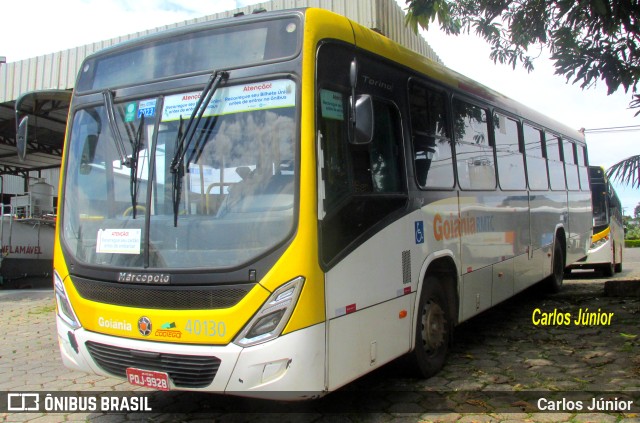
{"points": [[607, 241], [274, 205]]}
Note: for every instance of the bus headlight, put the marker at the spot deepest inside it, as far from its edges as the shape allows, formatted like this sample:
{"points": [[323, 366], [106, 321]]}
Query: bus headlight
{"points": [[599, 242], [269, 321], [65, 311]]}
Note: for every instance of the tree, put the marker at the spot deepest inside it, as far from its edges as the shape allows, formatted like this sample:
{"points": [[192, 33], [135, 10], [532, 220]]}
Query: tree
{"points": [[589, 40], [626, 171]]}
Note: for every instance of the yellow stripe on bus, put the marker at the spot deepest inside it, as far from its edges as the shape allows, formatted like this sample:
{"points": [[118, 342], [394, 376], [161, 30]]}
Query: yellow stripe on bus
{"points": [[597, 237]]}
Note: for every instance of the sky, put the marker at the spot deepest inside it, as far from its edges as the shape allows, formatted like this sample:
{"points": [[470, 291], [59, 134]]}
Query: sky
{"points": [[35, 27]]}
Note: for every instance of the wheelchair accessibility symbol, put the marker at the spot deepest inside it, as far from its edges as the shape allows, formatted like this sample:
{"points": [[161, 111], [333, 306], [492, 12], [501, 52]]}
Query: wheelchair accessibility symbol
{"points": [[419, 226]]}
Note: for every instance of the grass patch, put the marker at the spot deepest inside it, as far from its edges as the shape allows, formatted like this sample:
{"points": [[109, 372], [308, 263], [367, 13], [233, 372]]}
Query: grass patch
{"points": [[44, 310]]}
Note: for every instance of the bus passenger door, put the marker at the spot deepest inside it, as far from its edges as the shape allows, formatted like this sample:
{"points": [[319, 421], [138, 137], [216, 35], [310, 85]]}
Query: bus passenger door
{"points": [[364, 244], [363, 237]]}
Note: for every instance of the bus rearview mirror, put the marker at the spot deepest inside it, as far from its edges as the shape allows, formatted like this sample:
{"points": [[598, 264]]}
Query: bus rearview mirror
{"points": [[364, 124], [21, 137]]}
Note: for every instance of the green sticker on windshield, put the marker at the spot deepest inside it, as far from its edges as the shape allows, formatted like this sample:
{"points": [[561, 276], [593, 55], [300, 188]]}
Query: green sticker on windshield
{"points": [[130, 112], [331, 103]]}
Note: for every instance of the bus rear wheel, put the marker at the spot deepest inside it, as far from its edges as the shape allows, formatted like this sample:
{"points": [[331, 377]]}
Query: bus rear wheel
{"points": [[433, 329], [617, 267], [608, 269]]}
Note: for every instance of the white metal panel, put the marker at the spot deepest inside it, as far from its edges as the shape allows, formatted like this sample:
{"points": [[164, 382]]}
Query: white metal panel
{"points": [[13, 184], [371, 262], [370, 296], [363, 341], [32, 76], [476, 292], [39, 72], [503, 281], [48, 71]]}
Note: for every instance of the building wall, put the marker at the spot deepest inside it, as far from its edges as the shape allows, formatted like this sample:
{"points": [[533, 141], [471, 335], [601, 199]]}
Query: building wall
{"points": [[14, 185]]}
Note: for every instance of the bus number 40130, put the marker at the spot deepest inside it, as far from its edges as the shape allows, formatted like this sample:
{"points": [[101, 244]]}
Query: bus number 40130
{"points": [[205, 328]]}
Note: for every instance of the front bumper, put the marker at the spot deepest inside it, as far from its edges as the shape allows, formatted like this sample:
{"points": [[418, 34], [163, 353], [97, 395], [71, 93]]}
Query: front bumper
{"points": [[288, 367]]}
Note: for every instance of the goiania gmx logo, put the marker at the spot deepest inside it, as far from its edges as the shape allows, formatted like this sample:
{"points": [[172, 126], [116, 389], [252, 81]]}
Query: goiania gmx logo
{"points": [[144, 326]]}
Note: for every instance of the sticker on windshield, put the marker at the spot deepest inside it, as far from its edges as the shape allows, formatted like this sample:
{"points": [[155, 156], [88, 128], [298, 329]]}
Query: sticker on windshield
{"points": [[147, 108], [118, 241], [133, 111], [331, 105], [235, 99], [130, 112]]}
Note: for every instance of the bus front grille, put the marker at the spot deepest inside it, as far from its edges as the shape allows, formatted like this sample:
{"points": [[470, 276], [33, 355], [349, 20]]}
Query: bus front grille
{"points": [[162, 297], [185, 371]]}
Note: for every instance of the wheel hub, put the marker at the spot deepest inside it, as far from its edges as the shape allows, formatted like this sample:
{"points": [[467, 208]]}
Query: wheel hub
{"points": [[433, 326]]}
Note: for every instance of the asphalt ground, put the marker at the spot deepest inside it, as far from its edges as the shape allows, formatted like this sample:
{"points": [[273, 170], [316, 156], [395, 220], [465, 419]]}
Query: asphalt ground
{"points": [[515, 362]]}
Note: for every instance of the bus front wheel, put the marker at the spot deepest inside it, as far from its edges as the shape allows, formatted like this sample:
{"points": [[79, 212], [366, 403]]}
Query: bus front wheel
{"points": [[555, 280], [433, 329]]}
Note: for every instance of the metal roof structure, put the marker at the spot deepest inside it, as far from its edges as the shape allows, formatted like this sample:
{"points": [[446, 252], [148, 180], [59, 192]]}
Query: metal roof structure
{"points": [[56, 73]]}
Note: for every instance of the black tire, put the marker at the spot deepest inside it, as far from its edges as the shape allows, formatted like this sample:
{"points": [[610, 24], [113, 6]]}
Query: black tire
{"points": [[554, 281], [434, 328], [609, 269], [617, 267]]}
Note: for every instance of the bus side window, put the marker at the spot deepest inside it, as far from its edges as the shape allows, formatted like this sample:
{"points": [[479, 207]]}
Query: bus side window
{"points": [[556, 169], [509, 158], [536, 166], [570, 167], [384, 151], [431, 140], [474, 153], [583, 170], [376, 165]]}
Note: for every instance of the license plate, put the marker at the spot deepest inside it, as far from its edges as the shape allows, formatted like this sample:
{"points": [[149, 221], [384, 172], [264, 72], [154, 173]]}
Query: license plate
{"points": [[148, 379]]}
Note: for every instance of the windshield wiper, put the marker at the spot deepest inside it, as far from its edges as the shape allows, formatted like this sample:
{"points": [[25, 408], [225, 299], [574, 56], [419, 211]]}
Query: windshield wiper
{"points": [[177, 175], [184, 139], [136, 146], [115, 131]]}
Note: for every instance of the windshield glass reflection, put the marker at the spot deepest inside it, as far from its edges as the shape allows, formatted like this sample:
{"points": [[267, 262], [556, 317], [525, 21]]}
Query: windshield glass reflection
{"points": [[238, 195]]}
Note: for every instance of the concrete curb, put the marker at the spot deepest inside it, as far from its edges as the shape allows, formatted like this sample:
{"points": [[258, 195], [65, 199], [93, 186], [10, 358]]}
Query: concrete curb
{"points": [[622, 288]]}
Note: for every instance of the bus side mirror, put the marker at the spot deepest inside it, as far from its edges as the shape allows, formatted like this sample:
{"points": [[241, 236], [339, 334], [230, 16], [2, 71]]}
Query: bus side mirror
{"points": [[363, 126], [21, 137]]}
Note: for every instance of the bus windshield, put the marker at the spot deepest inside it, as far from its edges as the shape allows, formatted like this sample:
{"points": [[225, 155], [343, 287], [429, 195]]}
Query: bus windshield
{"points": [[237, 179]]}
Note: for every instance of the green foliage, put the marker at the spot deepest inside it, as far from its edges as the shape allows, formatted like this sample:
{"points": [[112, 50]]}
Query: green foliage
{"points": [[627, 171], [588, 39], [633, 233], [632, 243]]}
